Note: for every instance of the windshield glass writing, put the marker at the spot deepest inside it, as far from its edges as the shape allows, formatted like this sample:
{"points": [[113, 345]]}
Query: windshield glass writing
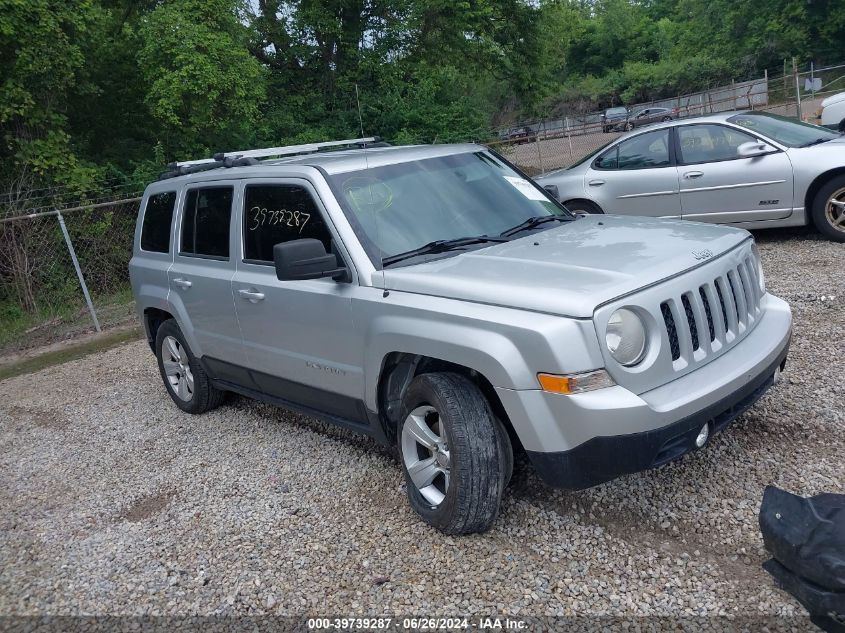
{"points": [[401, 207]]}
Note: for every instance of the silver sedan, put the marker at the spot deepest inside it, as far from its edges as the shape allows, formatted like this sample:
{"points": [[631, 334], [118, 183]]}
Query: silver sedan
{"points": [[749, 169]]}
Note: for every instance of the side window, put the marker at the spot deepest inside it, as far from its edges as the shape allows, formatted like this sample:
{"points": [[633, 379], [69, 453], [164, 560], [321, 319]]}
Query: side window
{"points": [[643, 151], [609, 160], [205, 222], [279, 213], [710, 143], [158, 216]]}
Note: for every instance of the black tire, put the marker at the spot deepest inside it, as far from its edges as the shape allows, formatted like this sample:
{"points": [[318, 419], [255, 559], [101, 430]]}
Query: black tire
{"points": [[823, 219], [629, 126], [506, 451], [204, 396], [666, 118], [583, 207], [480, 457]]}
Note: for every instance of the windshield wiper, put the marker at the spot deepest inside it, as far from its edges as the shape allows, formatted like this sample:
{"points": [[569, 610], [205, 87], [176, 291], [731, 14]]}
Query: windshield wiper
{"points": [[821, 139], [440, 246], [531, 222]]}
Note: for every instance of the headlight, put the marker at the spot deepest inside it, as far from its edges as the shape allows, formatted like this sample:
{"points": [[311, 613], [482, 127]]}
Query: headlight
{"points": [[626, 337], [760, 278]]}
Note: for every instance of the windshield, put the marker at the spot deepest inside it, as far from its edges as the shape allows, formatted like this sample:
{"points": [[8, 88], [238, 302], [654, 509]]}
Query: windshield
{"points": [[613, 111], [397, 208], [786, 131]]}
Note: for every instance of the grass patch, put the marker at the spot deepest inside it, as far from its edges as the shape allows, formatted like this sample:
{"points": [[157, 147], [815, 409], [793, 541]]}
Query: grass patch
{"points": [[73, 352]]}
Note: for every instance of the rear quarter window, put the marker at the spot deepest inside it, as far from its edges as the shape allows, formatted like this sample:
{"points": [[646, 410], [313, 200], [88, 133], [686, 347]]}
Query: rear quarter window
{"points": [[158, 217]]}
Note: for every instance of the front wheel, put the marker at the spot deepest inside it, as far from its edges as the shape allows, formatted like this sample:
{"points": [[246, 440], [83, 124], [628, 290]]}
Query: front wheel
{"points": [[455, 455], [828, 212], [629, 126]]}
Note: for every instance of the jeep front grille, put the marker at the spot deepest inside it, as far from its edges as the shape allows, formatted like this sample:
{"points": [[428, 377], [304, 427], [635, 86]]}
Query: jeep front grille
{"points": [[703, 320]]}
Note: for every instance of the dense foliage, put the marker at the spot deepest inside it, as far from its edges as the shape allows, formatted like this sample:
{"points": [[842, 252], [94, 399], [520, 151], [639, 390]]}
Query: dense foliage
{"points": [[111, 88]]}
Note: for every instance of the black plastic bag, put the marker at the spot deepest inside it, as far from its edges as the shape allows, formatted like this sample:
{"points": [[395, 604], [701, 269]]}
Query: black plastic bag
{"points": [[806, 535]]}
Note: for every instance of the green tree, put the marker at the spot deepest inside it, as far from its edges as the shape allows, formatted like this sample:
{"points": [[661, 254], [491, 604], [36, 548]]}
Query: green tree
{"points": [[205, 90], [40, 58]]}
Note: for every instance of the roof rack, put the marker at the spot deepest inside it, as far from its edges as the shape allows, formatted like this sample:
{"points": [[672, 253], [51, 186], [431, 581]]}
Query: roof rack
{"points": [[251, 156], [268, 152]]}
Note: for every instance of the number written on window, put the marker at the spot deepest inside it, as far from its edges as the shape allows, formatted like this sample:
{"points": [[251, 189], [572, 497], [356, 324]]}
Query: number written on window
{"points": [[276, 213], [261, 216]]}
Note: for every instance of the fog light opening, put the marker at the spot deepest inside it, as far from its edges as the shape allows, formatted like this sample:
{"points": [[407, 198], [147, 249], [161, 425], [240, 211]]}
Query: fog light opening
{"points": [[703, 436]]}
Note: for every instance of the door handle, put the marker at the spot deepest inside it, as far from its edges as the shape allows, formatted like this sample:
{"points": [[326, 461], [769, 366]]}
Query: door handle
{"points": [[693, 174], [182, 283], [251, 295], [596, 183]]}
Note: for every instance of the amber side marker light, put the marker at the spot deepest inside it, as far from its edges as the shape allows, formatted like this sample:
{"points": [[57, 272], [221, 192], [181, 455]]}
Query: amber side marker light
{"points": [[575, 383]]}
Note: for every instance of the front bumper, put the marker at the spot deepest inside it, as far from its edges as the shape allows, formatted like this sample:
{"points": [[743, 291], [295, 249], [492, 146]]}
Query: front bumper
{"points": [[583, 440], [603, 458]]}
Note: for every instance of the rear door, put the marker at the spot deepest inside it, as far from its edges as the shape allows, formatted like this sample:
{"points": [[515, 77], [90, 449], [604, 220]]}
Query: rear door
{"points": [[719, 186], [636, 176], [201, 275]]}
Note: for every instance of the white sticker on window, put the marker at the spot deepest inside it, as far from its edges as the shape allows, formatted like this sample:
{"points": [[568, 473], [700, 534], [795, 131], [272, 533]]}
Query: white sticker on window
{"points": [[526, 188]]}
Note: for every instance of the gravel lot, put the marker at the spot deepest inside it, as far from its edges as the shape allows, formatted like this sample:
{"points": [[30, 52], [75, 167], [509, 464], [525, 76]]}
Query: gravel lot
{"points": [[115, 502]]}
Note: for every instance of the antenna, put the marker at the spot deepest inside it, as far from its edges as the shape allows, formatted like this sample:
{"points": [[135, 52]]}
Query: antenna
{"points": [[360, 119], [370, 188]]}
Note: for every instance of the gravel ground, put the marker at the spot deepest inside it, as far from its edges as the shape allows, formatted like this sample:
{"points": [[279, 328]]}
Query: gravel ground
{"points": [[115, 502]]}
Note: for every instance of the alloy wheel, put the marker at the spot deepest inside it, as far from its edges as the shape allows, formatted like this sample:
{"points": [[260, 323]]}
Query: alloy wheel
{"points": [[425, 453], [177, 368], [834, 211]]}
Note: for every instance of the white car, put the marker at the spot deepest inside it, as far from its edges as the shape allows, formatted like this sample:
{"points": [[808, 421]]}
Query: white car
{"points": [[833, 112], [749, 169]]}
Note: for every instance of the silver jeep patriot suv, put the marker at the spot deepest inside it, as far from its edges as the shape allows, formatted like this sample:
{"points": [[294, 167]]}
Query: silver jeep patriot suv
{"points": [[437, 300]]}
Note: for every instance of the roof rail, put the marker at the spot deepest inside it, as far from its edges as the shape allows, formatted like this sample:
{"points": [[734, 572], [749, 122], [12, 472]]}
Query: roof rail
{"points": [[268, 152]]}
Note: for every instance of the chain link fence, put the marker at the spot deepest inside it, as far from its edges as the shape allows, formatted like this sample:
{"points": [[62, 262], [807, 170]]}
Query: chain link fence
{"points": [[63, 272], [558, 143]]}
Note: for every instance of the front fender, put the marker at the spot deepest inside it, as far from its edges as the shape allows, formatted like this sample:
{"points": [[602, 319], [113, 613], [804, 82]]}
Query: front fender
{"points": [[507, 346]]}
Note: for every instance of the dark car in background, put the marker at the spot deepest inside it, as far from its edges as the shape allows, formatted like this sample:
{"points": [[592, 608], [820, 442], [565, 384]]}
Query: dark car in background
{"points": [[521, 134], [611, 117], [646, 116]]}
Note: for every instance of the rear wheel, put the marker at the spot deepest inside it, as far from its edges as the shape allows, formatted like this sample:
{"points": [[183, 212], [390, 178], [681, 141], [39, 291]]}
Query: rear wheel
{"points": [[455, 455], [183, 376], [583, 207], [666, 118], [828, 210]]}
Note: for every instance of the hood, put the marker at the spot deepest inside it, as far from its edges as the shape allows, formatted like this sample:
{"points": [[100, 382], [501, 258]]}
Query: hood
{"points": [[570, 269], [824, 155], [833, 99]]}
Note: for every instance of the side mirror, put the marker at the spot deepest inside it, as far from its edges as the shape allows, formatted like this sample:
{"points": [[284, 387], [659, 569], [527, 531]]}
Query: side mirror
{"points": [[306, 259], [552, 191], [754, 148]]}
